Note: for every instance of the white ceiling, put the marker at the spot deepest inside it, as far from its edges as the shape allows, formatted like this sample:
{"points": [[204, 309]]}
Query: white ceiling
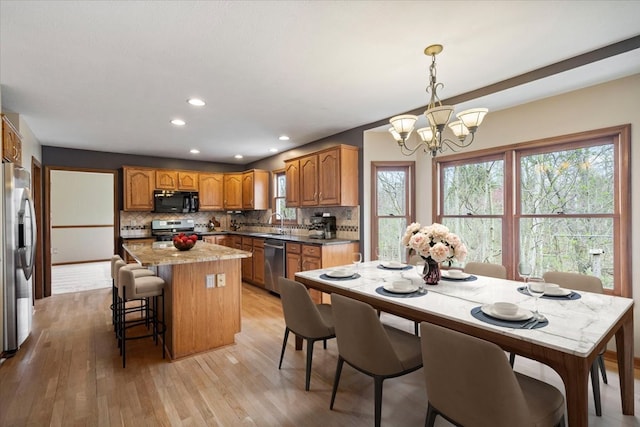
{"points": [[110, 75]]}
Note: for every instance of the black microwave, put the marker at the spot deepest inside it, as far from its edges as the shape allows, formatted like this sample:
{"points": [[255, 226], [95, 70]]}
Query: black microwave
{"points": [[175, 201]]}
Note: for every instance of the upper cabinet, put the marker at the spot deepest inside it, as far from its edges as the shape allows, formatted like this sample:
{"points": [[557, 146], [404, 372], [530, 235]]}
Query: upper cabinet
{"points": [[187, 181], [11, 143], [139, 184], [255, 189], [233, 190], [176, 180], [211, 194], [324, 178], [292, 177]]}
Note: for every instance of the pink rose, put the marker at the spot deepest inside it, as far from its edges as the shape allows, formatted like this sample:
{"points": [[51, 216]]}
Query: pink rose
{"points": [[439, 252]]}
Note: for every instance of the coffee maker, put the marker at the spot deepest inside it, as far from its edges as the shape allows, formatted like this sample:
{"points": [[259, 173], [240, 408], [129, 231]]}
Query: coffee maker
{"points": [[322, 227]]}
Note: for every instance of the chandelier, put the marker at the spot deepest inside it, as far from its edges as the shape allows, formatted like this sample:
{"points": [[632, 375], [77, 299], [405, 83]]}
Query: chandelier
{"points": [[438, 115]]}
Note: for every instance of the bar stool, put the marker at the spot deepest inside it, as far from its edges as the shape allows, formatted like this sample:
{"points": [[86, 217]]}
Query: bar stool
{"points": [[141, 271], [131, 287]]}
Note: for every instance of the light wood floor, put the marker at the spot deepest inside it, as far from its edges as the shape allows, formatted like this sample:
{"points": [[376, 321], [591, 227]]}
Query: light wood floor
{"points": [[87, 276], [69, 373]]}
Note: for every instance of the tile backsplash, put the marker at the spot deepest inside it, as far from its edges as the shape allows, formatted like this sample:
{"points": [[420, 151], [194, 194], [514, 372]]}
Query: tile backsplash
{"points": [[138, 224]]}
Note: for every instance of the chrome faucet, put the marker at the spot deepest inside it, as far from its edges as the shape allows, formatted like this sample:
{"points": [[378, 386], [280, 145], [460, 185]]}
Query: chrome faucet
{"points": [[277, 214]]}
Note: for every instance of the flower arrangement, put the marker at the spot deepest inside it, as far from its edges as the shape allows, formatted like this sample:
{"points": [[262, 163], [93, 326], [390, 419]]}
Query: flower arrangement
{"points": [[434, 241]]}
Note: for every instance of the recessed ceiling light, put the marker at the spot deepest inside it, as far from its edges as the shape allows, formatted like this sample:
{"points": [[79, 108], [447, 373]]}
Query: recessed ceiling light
{"points": [[194, 151], [273, 150], [238, 156], [195, 101], [283, 138], [178, 122]]}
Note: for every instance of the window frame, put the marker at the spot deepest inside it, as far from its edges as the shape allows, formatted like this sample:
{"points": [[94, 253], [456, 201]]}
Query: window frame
{"points": [[410, 195], [618, 136], [274, 200]]}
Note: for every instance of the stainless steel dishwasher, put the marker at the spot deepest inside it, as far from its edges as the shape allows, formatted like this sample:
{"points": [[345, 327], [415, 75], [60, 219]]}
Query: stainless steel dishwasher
{"points": [[274, 259]]}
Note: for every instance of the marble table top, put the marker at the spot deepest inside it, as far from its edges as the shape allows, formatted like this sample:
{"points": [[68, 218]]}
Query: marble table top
{"points": [[575, 326], [163, 253]]}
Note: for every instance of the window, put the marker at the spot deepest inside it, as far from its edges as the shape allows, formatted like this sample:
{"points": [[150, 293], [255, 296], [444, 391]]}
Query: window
{"points": [[392, 210], [560, 205], [279, 200]]}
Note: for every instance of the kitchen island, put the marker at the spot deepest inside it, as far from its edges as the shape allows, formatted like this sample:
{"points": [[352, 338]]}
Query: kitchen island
{"points": [[203, 291]]}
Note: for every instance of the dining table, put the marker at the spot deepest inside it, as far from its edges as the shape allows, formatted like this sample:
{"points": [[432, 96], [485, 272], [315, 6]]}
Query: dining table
{"points": [[576, 326]]}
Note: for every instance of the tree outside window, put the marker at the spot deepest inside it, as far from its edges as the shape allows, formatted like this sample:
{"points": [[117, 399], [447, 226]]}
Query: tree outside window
{"points": [[279, 199]]}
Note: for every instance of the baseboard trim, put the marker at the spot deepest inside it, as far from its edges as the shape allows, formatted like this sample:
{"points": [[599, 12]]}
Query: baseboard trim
{"points": [[611, 356]]}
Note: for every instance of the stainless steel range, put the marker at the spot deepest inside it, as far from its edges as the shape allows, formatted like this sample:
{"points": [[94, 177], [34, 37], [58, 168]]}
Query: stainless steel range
{"points": [[164, 230]]}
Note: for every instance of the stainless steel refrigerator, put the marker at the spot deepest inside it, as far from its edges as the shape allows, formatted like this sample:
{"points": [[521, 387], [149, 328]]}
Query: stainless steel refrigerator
{"points": [[17, 256]]}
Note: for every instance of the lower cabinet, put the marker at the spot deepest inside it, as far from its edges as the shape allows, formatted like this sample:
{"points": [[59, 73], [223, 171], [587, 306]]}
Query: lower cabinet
{"points": [[305, 257], [253, 268]]}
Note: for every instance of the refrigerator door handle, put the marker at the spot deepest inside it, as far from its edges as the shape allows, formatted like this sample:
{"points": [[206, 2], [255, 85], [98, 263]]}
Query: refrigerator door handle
{"points": [[26, 253]]}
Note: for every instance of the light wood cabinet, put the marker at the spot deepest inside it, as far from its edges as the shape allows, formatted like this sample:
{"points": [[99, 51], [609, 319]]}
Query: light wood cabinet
{"points": [[255, 189], [305, 257], [139, 184], [258, 262], [233, 191], [166, 180], [308, 181], [292, 177], [11, 142], [187, 181], [211, 191], [253, 268], [325, 178], [176, 180]]}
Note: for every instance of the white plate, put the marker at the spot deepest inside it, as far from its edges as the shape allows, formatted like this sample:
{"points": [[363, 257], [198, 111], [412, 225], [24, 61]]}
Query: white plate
{"points": [[557, 292], [460, 276], [340, 274], [404, 290], [521, 314], [393, 265]]}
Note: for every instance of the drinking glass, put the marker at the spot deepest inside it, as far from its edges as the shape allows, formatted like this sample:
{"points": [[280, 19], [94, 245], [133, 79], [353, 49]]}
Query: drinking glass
{"points": [[535, 286], [357, 259], [524, 270], [419, 269]]}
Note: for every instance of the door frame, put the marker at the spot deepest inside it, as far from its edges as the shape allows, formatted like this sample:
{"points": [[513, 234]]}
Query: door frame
{"points": [[36, 188], [47, 215]]}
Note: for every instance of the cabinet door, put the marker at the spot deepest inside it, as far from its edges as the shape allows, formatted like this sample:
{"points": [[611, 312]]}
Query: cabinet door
{"points": [[294, 264], [166, 180], [233, 191], [211, 191], [292, 177], [309, 181], [11, 143], [138, 189], [329, 177], [258, 261], [188, 181], [247, 263], [247, 190]]}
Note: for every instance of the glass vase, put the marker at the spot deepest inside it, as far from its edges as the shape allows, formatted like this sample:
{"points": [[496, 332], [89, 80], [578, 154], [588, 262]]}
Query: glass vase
{"points": [[431, 272]]}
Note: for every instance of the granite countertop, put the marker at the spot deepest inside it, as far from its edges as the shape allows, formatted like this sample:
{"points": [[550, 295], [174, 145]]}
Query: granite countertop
{"points": [[163, 253], [286, 237]]}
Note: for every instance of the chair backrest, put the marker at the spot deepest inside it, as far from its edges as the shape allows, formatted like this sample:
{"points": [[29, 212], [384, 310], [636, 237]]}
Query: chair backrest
{"points": [[300, 312], [362, 341], [470, 380], [575, 281], [486, 269], [114, 273]]}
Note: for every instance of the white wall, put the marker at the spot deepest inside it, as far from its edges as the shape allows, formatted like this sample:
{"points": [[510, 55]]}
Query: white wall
{"points": [[609, 104], [81, 199]]}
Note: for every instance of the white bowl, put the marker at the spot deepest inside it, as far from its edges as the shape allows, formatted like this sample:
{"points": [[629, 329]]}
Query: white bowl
{"points": [[505, 308], [402, 285], [455, 273]]}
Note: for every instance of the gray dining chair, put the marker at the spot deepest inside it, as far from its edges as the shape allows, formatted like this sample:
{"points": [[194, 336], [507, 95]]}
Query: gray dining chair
{"points": [[486, 269], [310, 321], [372, 348], [470, 383], [585, 283]]}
